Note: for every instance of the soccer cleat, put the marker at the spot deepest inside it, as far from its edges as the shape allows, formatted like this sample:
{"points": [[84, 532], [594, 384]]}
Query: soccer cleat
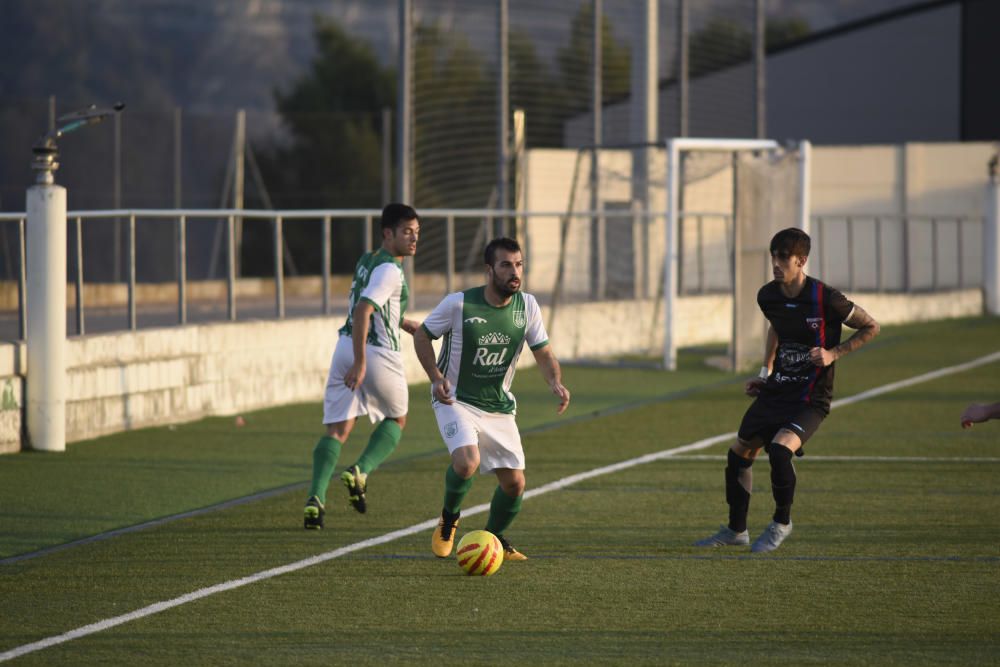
{"points": [[509, 552], [356, 483], [772, 537], [313, 514], [726, 537], [443, 538]]}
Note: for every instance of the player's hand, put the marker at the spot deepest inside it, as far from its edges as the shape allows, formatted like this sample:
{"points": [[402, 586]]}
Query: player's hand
{"points": [[820, 356], [974, 414], [753, 386], [441, 389], [356, 375], [409, 326], [562, 393]]}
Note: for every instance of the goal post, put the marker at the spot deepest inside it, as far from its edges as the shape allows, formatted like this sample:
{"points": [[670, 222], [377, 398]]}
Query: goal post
{"points": [[770, 191]]}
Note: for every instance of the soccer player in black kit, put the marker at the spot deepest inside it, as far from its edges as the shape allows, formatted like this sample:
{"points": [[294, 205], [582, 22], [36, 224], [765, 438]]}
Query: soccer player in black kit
{"points": [[794, 387]]}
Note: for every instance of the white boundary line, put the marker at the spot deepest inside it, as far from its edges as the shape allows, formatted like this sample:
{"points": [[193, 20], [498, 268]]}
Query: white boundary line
{"points": [[157, 607]]}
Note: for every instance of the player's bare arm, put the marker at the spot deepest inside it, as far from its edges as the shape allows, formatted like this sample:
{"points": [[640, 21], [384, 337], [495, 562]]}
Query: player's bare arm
{"points": [[978, 413], [549, 366], [440, 386], [359, 335], [753, 385], [409, 326], [867, 328]]}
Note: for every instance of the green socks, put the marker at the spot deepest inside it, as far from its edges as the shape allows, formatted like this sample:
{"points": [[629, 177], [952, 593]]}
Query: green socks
{"points": [[380, 445], [325, 457], [503, 509], [455, 489]]}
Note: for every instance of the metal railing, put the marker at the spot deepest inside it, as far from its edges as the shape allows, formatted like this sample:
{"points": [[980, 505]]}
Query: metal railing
{"points": [[893, 243], [860, 252], [857, 235], [181, 218]]}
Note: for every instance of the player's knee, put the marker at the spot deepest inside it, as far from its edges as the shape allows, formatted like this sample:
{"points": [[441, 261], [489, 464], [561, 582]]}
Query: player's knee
{"points": [[745, 449], [400, 420], [465, 461], [339, 430], [786, 438], [465, 469], [782, 470], [513, 486]]}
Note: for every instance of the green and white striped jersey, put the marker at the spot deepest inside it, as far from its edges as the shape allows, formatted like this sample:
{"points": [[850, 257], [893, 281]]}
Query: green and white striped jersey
{"points": [[482, 344], [379, 280]]}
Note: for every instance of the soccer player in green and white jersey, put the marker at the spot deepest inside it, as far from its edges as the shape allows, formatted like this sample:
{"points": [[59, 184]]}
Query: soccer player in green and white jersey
{"points": [[366, 373], [484, 330]]}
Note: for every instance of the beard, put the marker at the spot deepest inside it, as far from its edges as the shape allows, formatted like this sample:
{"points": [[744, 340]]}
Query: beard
{"points": [[503, 287]]}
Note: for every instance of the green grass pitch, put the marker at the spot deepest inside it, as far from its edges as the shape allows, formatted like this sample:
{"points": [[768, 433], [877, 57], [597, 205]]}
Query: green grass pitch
{"points": [[895, 559]]}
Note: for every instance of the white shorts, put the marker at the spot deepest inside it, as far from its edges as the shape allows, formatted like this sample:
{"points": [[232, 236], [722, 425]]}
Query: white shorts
{"points": [[383, 392], [496, 435]]}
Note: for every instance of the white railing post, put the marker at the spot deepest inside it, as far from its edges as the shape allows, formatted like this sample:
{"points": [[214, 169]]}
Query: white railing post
{"points": [[991, 245], [46, 340]]}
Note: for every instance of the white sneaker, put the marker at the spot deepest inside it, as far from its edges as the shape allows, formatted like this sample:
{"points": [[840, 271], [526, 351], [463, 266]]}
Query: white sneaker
{"points": [[772, 537], [726, 537]]}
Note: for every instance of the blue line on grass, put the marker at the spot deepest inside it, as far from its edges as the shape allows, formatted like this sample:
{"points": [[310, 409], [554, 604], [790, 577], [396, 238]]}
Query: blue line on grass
{"points": [[708, 557]]}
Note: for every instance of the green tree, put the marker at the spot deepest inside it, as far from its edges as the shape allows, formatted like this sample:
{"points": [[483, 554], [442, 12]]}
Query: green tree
{"points": [[332, 118], [534, 89], [723, 42], [454, 121], [575, 62]]}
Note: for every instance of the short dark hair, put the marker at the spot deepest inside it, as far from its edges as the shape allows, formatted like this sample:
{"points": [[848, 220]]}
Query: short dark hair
{"points": [[791, 242], [394, 214], [510, 245]]}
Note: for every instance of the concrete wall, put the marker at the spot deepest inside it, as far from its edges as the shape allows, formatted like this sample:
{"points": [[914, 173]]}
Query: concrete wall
{"points": [[131, 380], [876, 187]]}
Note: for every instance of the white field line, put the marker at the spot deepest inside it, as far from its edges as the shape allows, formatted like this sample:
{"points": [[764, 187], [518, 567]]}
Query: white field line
{"points": [[157, 607]]}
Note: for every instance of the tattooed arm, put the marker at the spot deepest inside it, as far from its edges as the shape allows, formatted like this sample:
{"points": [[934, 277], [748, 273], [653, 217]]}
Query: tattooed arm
{"points": [[867, 328]]}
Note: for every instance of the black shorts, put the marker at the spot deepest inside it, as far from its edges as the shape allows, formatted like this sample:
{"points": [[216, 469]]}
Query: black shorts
{"points": [[763, 419]]}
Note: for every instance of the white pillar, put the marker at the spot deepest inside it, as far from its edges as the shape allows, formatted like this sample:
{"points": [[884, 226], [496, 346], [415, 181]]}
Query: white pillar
{"points": [[805, 185], [670, 270], [991, 249], [46, 341], [643, 130]]}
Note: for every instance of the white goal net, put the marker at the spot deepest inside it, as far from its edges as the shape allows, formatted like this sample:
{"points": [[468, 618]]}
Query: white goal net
{"points": [[725, 200]]}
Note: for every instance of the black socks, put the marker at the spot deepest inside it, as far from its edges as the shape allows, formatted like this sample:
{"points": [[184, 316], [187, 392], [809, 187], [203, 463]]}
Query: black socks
{"points": [[739, 483], [782, 481]]}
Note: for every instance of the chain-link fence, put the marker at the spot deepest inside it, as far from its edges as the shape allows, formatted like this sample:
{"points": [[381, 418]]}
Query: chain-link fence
{"points": [[328, 141]]}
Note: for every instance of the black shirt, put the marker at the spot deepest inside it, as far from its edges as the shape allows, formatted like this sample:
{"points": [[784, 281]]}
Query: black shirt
{"points": [[811, 319]]}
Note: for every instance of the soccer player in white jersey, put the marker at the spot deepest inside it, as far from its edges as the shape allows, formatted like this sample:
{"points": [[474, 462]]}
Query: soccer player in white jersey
{"points": [[366, 373], [484, 330]]}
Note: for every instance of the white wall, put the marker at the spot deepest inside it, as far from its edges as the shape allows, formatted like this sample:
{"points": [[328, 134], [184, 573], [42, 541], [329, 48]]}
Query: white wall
{"points": [[130, 380], [875, 186]]}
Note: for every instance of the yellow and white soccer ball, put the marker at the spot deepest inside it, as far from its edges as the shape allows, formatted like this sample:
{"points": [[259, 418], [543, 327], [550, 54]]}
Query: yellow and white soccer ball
{"points": [[479, 553]]}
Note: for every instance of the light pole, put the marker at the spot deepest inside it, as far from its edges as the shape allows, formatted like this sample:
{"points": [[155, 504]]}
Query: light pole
{"points": [[46, 286]]}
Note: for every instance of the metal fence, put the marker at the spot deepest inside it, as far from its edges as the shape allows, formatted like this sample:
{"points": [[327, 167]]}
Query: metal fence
{"points": [[878, 253], [857, 253]]}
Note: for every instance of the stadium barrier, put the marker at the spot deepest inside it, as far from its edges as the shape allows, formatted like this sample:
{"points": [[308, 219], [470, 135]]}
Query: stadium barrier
{"points": [[156, 377]]}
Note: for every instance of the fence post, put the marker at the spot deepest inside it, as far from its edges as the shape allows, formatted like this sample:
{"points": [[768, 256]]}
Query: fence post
{"points": [[991, 244], [46, 331]]}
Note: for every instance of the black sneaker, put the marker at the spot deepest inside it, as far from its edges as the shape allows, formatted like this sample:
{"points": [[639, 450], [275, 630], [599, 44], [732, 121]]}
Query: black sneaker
{"points": [[509, 552], [314, 513], [356, 483]]}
